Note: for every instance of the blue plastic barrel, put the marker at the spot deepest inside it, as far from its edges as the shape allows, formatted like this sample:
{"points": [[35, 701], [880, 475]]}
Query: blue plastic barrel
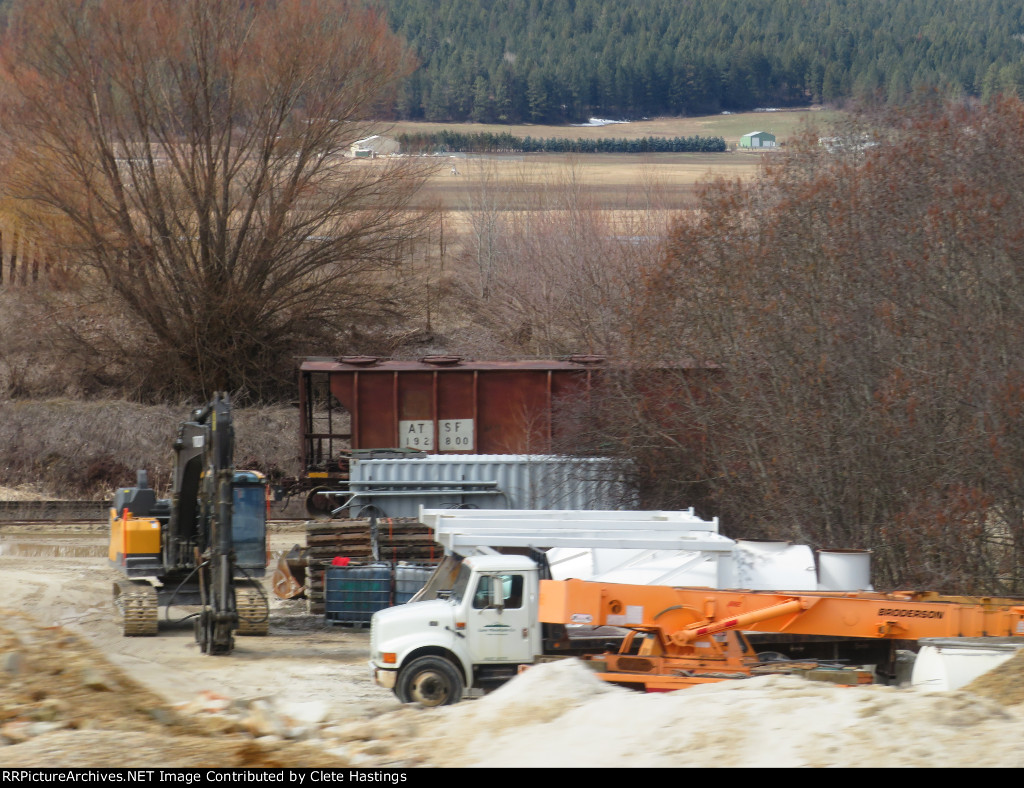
{"points": [[352, 594]]}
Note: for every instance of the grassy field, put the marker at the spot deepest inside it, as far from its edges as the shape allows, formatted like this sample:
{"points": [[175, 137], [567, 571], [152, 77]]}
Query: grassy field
{"points": [[731, 127], [617, 182]]}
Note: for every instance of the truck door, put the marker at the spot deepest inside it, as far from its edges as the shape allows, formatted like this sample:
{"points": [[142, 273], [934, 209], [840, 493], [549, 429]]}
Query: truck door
{"points": [[499, 625]]}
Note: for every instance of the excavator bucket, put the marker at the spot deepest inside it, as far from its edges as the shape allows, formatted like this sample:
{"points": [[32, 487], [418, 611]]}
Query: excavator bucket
{"points": [[289, 578]]}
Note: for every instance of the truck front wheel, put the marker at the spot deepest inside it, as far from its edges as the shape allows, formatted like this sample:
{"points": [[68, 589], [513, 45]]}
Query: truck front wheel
{"points": [[429, 681]]}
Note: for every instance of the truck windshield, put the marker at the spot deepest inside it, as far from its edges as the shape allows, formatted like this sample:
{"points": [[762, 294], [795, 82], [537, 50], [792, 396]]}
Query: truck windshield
{"points": [[461, 584]]}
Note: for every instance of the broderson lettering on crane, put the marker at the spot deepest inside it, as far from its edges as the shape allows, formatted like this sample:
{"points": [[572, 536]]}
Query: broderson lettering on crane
{"points": [[888, 611]]}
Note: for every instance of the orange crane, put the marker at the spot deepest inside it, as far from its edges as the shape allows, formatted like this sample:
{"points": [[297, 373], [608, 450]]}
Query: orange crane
{"points": [[680, 637], [485, 616]]}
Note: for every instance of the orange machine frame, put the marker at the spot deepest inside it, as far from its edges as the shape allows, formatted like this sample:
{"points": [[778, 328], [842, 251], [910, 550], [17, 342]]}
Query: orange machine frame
{"points": [[694, 635]]}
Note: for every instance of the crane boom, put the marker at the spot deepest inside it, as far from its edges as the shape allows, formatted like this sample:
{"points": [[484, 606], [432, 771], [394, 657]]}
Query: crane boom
{"points": [[683, 614]]}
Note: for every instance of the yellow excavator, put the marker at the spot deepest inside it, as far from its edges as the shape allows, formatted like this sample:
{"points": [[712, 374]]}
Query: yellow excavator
{"points": [[205, 547]]}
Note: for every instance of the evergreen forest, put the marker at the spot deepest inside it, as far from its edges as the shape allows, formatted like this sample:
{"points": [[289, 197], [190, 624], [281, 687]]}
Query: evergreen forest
{"points": [[557, 61]]}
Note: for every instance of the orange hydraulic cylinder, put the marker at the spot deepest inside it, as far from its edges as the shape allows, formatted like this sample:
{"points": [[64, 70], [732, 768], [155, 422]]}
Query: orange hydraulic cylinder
{"points": [[743, 621]]}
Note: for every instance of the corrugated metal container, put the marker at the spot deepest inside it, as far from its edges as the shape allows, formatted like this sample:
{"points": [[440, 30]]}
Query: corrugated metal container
{"points": [[398, 487]]}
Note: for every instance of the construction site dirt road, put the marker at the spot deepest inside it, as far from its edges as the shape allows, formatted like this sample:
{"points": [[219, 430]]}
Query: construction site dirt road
{"points": [[284, 686], [75, 692]]}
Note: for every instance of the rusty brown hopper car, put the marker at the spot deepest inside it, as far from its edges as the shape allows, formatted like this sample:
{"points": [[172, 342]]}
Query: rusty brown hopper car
{"points": [[366, 406]]}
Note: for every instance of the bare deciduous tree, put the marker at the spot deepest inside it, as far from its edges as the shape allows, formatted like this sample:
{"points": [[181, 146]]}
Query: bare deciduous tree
{"points": [[857, 318], [191, 153], [546, 271]]}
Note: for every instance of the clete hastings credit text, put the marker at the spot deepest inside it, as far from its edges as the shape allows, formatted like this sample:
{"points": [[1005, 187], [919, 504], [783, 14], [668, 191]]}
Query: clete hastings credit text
{"points": [[194, 776]]}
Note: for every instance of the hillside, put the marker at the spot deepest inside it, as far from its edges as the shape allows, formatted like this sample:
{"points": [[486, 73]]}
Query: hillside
{"points": [[550, 61]]}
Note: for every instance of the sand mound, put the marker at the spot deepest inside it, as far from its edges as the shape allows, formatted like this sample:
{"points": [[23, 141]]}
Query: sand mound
{"points": [[1005, 684], [556, 715]]}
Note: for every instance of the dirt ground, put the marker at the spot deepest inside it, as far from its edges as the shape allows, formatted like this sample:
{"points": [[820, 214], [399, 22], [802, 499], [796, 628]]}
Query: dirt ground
{"points": [[57, 595], [75, 693]]}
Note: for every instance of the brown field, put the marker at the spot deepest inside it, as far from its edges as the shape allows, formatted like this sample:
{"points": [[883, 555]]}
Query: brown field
{"points": [[611, 182], [619, 182]]}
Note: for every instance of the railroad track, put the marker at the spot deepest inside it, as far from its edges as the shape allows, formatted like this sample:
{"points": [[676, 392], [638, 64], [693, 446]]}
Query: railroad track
{"points": [[82, 513], [56, 527], [50, 511]]}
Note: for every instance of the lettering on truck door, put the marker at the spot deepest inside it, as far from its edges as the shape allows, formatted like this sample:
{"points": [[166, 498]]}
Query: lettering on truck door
{"points": [[500, 633]]}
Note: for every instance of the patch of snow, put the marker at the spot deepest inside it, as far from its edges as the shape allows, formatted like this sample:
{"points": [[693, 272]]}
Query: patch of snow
{"points": [[599, 122]]}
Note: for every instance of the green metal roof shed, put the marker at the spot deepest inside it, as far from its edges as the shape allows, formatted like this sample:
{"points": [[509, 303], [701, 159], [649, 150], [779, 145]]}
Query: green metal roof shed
{"points": [[757, 139]]}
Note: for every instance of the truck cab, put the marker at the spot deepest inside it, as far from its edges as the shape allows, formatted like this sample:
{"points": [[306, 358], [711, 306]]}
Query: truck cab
{"points": [[474, 635]]}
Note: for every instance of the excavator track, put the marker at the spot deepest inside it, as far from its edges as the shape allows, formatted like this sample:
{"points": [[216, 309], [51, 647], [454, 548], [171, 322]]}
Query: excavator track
{"points": [[137, 607], [253, 611]]}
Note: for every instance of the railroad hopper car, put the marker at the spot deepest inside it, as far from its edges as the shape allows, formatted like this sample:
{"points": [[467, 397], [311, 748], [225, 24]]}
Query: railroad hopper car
{"points": [[363, 406]]}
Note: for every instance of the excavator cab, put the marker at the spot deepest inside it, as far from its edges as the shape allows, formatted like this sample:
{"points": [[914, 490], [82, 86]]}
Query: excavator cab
{"points": [[249, 520]]}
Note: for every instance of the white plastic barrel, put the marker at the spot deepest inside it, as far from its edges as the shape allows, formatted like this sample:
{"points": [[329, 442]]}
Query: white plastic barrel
{"points": [[770, 566]]}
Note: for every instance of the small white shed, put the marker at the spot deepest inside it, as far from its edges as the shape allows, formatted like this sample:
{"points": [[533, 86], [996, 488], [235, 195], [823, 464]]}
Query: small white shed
{"points": [[377, 145]]}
